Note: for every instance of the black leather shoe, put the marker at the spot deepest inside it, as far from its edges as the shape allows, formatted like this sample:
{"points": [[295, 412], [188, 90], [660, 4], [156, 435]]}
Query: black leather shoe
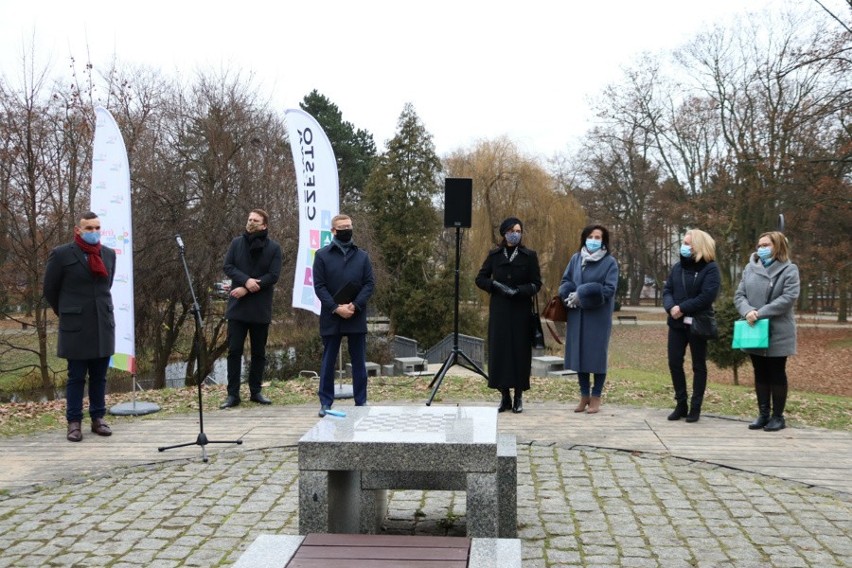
{"points": [[323, 408], [518, 405], [759, 422], [679, 412], [260, 399], [505, 402], [694, 414], [775, 423], [229, 402]]}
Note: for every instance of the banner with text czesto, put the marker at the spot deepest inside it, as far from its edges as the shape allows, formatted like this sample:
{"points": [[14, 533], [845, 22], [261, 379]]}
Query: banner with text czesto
{"points": [[319, 199], [111, 201]]}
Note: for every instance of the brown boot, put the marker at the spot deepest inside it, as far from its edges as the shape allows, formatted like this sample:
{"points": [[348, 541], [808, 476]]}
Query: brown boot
{"points": [[584, 402], [75, 434], [100, 427], [594, 405]]}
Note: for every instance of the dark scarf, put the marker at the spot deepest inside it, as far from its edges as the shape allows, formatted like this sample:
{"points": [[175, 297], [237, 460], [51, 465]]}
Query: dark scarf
{"points": [[93, 252], [256, 240], [344, 247], [691, 264]]}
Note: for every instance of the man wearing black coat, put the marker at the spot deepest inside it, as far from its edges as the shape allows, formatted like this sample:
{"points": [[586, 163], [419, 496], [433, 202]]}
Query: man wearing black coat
{"points": [[343, 282], [253, 263], [77, 282]]}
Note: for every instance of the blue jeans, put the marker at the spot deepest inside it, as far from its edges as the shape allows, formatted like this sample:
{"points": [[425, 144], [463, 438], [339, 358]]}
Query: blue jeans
{"points": [[585, 384], [258, 333], [357, 355], [77, 369]]}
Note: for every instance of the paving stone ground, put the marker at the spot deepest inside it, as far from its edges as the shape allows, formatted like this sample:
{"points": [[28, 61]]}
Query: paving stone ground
{"points": [[578, 505]]}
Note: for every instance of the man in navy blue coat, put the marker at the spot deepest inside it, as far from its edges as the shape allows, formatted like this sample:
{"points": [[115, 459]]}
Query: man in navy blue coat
{"points": [[343, 282], [253, 263]]}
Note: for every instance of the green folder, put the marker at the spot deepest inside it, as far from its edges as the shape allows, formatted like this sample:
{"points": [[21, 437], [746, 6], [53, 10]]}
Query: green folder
{"points": [[748, 336]]}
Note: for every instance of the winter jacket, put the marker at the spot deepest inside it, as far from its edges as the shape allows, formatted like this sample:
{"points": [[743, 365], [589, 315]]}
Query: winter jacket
{"points": [[751, 294]]}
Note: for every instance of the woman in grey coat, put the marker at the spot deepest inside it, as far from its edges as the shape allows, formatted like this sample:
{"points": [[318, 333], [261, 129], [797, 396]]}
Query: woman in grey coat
{"points": [[588, 289], [769, 289]]}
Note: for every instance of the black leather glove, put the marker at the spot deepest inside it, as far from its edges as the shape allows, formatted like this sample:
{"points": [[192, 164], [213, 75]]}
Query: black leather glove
{"points": [[507, 291]]}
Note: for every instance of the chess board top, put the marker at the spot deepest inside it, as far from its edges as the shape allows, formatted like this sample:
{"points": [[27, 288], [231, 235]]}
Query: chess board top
{"points": [[408, 424]]}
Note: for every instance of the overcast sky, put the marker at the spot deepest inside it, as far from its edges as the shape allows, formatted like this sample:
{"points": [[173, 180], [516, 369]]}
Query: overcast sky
{"points": [[473, 69]]}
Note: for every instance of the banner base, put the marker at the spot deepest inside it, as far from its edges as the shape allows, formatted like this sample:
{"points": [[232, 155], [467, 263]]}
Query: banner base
{"points": [[134, 408]]}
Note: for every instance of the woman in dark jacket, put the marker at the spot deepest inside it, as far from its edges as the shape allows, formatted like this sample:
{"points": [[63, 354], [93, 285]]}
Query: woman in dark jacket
{"points": [[690, 289], [512, 276], [588, 289]]}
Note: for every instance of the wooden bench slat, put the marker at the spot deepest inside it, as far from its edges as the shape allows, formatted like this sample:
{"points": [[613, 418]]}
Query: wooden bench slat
{"points": [[325, 563], [382, 552], [316, 539]]}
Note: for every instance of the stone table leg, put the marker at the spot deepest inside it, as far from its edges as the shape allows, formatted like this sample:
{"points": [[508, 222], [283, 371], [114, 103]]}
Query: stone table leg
{"points": [[482, 510], [313, 502]]}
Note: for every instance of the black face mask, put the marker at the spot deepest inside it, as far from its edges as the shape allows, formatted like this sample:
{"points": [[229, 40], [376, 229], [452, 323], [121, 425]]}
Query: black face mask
{"points": [[343, 235]]}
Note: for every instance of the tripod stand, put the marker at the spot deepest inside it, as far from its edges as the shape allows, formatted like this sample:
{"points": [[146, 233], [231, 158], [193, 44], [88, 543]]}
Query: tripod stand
{"points": [[453, 357], [201, 440]]}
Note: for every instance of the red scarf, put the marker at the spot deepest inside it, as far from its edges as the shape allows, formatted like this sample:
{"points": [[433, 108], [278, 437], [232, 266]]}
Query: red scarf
{"points": [[96, 263]]}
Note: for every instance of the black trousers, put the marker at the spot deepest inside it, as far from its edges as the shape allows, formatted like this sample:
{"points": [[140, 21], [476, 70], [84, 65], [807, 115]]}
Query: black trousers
{"points": [[257, 332], [679, 338]]}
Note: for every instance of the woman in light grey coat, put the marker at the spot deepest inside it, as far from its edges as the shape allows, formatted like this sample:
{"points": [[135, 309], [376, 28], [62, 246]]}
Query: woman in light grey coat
{"points": [[769, 289]]}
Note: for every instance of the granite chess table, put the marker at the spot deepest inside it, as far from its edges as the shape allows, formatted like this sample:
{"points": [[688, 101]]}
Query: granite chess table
{"points": [[347, 464]]}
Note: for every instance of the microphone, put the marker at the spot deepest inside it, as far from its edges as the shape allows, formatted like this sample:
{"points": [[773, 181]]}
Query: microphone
{"points": [[179, 242]]}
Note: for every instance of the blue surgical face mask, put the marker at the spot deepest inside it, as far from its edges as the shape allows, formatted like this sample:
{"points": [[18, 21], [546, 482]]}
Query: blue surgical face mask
{"points": [[764, 253], [592, 245], [685, 251], [92, 238], [513, 238]]}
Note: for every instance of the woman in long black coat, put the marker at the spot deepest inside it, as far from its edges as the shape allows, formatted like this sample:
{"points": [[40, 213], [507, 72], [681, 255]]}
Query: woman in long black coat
{"points": [[512, 276]]}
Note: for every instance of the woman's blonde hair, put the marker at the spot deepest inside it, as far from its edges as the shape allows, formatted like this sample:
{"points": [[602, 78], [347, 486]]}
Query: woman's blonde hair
{"points": [[779, 245], [703, 245]]}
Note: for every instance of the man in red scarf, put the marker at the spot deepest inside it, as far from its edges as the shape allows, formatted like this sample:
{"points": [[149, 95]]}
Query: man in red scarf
{"points": [[77, 283]]}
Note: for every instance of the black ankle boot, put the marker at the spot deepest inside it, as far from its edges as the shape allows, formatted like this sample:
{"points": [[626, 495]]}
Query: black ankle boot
{"points": [[762, 418], [518, 407], [775, 423], [694, 413], [505, 402], [762, 391], [679, 411]]}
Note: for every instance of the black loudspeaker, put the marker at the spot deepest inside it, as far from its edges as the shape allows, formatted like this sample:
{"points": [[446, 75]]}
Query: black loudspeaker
{"points": [[458, 202]]}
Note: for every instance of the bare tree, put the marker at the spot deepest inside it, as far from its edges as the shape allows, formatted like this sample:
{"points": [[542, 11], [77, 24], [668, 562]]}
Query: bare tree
{"points": [[44, 128]]}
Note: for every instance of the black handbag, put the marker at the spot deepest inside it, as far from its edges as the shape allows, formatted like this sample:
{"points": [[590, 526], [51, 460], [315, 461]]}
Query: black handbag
{"points": [[704, 325], [537, 337]]}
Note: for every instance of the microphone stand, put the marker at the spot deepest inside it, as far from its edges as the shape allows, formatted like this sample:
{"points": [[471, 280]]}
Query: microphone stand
{"points": [[453, 357], [201, 440]]}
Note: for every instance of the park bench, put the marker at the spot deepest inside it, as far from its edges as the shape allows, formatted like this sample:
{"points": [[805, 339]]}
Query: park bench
{"points": [[543, 364], [410, 365], [379, 551]]}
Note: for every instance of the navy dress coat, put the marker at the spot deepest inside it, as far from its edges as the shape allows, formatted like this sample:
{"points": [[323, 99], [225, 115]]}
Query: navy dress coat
{"points": [[332, 270], [589, 326], [509, 323], [82, 301], [240, 265]]}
